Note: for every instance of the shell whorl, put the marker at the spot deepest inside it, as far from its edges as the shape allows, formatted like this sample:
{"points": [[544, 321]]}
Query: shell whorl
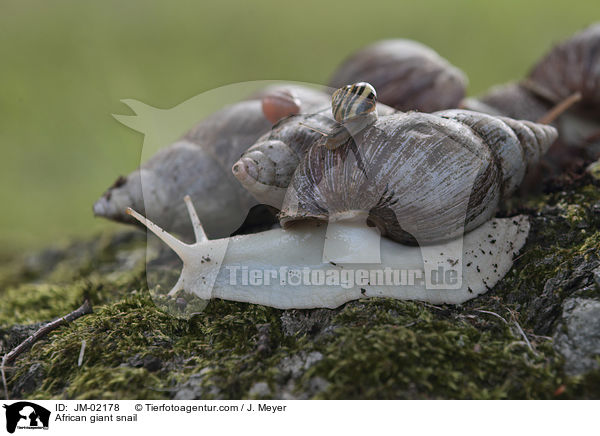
{"points": [[517, 145], [565, 83], [266, 170], [428, 177], [570, 67]]}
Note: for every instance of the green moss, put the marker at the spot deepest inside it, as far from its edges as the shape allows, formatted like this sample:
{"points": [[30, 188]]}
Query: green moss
{"points": [[564, 236], [594, 170], [119, 336], [53, 282], [112, 334], [392, 349], [30, 303]]}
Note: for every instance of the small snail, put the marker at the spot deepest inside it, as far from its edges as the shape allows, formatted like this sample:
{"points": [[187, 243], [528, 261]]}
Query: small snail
{"points": [[354, 102], [353, 107], [200, 164], [407, 75]]}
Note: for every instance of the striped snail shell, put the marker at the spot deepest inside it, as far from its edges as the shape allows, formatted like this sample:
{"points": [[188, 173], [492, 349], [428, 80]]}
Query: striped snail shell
{"points": [[353, 107], [353, 101], [429, 177], [407, 75]]}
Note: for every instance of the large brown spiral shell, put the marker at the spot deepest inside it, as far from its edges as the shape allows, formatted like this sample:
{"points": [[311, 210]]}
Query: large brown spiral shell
{"points": [[570, 67], [427, 177], [407, 75]]}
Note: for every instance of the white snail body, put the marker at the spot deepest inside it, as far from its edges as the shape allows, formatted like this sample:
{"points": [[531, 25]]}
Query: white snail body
{"points": [[296, 274], [199, 164]]}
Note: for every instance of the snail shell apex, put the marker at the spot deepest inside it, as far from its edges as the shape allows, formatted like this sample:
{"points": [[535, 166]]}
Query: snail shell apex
{"points": [[270, 160]]}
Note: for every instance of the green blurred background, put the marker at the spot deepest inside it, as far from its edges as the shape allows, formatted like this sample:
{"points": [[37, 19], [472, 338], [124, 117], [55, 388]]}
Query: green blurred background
{"points": [[65, 66]]}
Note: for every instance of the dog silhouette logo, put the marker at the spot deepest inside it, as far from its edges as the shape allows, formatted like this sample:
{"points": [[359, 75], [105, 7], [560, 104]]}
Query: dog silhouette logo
{"points": [[26, 415]]}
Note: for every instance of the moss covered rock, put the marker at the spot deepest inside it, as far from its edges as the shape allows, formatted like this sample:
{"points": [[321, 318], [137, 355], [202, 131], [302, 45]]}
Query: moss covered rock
{"points": [[516, 341]]}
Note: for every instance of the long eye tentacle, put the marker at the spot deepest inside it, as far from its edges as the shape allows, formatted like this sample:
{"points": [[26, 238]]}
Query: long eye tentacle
{"points": [[314, 129]]}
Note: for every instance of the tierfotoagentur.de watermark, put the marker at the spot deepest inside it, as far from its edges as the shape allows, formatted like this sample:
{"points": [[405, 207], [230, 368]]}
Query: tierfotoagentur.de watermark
{"points": [[347, 278]]}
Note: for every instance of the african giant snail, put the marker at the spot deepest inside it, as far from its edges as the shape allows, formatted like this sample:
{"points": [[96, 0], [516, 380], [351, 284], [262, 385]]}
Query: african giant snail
{"points": [[424, 177], [199, 164]]}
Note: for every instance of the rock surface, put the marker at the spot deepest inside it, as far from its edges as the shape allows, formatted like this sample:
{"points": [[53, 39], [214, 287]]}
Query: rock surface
{"points": [[578, 335]]}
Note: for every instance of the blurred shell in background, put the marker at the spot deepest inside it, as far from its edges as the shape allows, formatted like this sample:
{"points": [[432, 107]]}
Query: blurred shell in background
{"points": [[406, 74]]}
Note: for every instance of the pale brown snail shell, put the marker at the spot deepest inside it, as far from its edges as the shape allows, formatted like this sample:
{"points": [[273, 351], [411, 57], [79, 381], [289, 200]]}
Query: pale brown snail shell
{"points": [[199, 164], [571, 66], [429, 177], [407, 75], [433, 163]]}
